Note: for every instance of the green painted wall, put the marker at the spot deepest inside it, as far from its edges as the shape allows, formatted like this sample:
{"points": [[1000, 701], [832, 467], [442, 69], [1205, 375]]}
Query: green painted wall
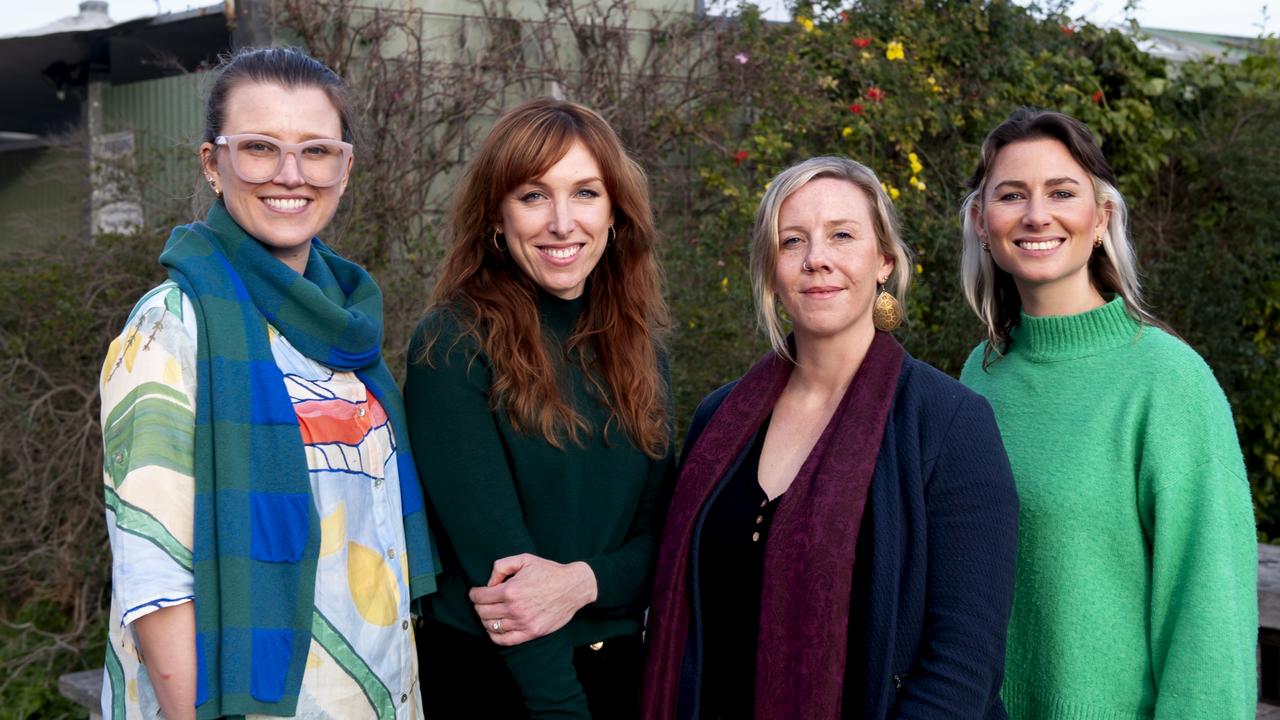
{"points": [[166, 117]]}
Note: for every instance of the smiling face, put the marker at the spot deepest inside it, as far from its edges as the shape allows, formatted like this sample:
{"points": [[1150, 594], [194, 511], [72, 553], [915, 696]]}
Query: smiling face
{"points": [[1040, 216], [829, 260], [286, 211], [557, 224]]}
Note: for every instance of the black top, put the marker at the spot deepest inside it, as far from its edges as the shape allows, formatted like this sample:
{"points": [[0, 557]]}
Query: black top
{"points": [[731, 580], [497, 492]]}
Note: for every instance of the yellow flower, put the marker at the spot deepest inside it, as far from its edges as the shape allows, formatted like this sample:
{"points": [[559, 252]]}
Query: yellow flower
{"points": [[846, 131], [895, 51], [826, 82], [724, 284], [893, 191], [919, 269], [916, 167], [805, 23], [916, 183], [865, 56]]}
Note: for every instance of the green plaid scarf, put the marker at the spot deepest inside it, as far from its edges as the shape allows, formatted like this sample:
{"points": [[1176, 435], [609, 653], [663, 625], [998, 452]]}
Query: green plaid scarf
{"points": [[257, 533]]}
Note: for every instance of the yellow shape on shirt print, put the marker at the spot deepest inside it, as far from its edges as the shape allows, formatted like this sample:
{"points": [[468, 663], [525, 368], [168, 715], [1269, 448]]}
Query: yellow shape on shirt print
{"points": [[172, 372], [373, 585], [333, 530], [113, 355]]}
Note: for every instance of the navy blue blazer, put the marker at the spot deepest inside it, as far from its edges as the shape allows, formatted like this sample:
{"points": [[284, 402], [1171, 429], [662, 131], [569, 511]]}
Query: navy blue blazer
{"points": [[934, 572]]}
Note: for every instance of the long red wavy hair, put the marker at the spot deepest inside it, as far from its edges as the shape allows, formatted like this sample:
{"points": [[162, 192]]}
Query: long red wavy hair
{"points": [[623, 326]]}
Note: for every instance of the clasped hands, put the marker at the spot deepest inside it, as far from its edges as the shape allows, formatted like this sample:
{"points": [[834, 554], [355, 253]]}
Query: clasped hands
{"points": [[531, 597]]}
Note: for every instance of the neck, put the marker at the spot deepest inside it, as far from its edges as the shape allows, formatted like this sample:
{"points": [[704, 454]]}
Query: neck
{"points": [[1059, 299], [825, 365], [295, 258]]}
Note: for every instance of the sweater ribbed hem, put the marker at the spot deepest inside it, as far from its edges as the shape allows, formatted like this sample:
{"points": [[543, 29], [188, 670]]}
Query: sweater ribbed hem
{"points": [[1023, 703], [1064, 337]]}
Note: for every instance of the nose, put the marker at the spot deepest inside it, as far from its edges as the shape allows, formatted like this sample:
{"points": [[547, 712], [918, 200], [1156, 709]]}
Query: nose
{"points": [[816, 257], [1037, 212], [562, 222], [289, 174]]}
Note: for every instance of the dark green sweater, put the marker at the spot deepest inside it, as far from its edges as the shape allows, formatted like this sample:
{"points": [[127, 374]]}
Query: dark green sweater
{"points": [[495, 492]]}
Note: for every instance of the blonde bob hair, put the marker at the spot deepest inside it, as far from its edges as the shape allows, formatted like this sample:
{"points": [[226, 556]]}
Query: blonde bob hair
{"points": [[764, 241], [1113, 267]]}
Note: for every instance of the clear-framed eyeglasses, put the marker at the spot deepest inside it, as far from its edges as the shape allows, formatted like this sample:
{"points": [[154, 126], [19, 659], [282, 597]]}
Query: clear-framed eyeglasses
{"points": [[258, 158]]}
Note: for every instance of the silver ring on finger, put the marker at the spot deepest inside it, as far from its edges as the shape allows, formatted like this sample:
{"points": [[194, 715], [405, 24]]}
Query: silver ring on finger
{"points": [[496, 626]]}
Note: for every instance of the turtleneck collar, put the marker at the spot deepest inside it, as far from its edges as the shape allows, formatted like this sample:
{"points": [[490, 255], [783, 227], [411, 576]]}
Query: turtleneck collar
{"points": [[1064, 337], [559, 315]]}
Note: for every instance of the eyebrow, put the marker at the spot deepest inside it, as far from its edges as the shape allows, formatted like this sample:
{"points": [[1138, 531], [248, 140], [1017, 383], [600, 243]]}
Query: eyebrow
{"points": [[828, 224], [542, 183], [305, 137], [1051, 182]]}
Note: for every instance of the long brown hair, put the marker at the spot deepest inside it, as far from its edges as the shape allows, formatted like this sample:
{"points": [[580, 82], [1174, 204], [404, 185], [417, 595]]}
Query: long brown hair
{"points": [[620, 333]]}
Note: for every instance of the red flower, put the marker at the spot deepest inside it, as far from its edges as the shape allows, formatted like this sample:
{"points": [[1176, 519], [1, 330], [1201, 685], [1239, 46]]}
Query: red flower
{"points": [[856, 109], [875, 94], [739, 156], [1097, 97], [1067, 30], [861, 43], [844, 16]]}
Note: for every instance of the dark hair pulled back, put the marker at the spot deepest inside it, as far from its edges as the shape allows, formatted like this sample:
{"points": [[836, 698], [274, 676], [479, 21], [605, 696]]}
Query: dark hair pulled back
{"points": [[287, 67]]}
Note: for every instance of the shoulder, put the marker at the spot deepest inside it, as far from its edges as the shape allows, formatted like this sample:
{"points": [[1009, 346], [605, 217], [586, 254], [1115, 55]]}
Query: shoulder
{"points": [[973, 363], [442, 337], [705, 411], [936, 409], [923, 387], [1179, 383], [164, 299]]}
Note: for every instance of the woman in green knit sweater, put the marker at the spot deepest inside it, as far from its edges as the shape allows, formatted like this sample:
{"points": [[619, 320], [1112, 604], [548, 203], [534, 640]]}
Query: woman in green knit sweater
{"points": [[538, 406], [1135, 594]]}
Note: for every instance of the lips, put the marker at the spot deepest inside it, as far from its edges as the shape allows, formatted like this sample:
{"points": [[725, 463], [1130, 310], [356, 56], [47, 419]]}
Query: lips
{"points": [[562, 253], [286, 204], [821, 290], [1039, 244]]}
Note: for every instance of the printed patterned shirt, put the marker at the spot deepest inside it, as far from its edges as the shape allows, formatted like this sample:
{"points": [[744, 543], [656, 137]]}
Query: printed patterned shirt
{"points": [[362, 662]]}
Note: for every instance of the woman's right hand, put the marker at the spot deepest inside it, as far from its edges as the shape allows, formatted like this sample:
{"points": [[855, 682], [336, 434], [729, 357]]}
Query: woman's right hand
{"points": [[167, 640], [531, 597]]}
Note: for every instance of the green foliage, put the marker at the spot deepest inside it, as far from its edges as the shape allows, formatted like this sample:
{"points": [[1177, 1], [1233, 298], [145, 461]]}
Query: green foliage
{"points": [[59, 308], [911, 89]]}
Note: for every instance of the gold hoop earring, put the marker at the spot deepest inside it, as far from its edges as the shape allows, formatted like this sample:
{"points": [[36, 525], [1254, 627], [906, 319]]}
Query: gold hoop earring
{"points": [[886, 314], [496, 246], [613, 235]]}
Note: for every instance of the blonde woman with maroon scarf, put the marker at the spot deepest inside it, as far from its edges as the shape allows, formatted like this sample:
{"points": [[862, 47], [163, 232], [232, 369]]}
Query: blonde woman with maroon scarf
{"points": [[841, 539]]}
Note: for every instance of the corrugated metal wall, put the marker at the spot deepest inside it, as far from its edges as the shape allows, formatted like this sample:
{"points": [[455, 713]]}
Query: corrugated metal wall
{"points": [[166, 118]]}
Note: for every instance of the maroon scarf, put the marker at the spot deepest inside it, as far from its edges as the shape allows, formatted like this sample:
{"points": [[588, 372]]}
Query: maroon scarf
{"points": [[808, 566]]}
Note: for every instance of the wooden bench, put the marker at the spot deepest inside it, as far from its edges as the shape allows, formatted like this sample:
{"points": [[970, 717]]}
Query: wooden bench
{"points": [[85, 688]]}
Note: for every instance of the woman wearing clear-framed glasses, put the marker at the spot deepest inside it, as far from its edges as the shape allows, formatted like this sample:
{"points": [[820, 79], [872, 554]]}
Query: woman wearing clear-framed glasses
{"points": [[266, 521]]}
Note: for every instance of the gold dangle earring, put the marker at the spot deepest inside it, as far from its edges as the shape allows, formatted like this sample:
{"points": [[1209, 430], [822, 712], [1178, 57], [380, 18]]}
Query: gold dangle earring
{"points": [[213, 185], [887, 311]]}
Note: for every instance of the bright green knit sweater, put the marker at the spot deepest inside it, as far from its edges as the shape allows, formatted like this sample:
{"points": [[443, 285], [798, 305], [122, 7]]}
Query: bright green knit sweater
{"points": [[1137, 564]]}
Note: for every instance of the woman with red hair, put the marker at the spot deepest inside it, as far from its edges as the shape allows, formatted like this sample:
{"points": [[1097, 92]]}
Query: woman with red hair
{"points": [[538, 400]]}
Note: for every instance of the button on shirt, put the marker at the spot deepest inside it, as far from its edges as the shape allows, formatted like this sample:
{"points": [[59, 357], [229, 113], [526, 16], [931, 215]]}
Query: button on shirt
{"points": [[730, 581]]}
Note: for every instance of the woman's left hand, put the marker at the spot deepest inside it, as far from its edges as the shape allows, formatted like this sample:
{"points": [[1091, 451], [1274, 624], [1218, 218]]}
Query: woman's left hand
{"points": [[531, 597]]}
